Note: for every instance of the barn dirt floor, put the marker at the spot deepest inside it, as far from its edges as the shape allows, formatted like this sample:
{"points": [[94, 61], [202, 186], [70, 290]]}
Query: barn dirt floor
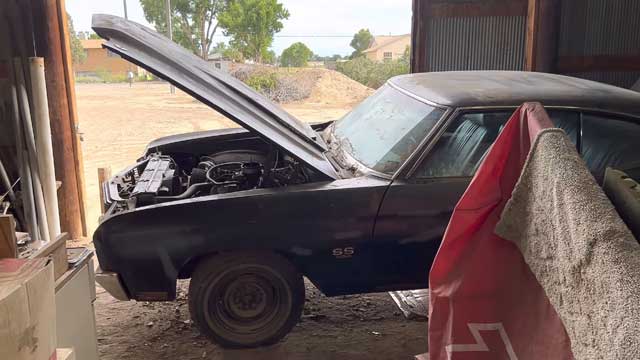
{"points": [[116, 123], [349, 327]]}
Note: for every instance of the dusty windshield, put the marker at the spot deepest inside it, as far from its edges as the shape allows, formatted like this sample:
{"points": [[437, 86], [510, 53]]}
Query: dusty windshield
{"points": [[385, 129]]}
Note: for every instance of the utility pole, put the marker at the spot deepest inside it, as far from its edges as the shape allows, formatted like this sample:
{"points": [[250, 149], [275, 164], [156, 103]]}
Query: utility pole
{"points": [[172, 90], [126, 17]]}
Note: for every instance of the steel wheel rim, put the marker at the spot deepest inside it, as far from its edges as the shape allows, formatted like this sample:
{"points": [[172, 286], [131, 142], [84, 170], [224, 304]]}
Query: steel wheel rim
{"points": [[246, 301]]}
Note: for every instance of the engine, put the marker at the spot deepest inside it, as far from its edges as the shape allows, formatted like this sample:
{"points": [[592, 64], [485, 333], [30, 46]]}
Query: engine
{"points": [[162, 178]]}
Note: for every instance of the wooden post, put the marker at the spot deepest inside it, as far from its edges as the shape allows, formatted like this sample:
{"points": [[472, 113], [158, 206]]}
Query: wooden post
{"points": [[8, 244], [543, 23], [48, 39], [419, 35], [104, 174], [73, 110]]}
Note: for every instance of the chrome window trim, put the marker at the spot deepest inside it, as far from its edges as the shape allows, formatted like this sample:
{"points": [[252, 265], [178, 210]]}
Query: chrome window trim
{"points": [[559, 107], [416, 97]]}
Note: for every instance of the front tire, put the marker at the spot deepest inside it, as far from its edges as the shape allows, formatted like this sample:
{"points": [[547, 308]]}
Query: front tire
{"points": [[246, 300]]}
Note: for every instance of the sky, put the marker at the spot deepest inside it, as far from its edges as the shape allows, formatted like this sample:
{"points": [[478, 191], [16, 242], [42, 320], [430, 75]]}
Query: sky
{"points": [[326, 26]]}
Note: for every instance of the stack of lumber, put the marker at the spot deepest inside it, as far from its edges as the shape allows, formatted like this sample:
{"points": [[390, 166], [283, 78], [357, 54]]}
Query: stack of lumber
{"points": [[27, 309]]}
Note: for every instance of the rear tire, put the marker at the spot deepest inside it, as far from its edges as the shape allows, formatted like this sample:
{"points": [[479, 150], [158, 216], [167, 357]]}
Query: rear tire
{"points": [[242, 300]]}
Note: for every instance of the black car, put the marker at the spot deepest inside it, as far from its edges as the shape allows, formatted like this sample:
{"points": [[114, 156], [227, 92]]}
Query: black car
{"points": [[357, 205]]}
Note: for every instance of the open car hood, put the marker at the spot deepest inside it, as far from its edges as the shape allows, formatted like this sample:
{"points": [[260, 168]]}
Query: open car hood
{"points": [[222, 92]]}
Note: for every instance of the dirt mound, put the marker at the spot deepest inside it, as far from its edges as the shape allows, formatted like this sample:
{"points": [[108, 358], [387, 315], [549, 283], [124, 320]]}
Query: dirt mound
{"points": [[335, 88]]}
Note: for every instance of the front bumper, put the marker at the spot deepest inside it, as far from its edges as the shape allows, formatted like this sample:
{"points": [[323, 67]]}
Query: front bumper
{"points": [[111, 282]]}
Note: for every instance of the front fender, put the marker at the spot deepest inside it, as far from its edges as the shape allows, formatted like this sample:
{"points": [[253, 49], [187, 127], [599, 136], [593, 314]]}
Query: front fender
{"points": [[149, 246]]}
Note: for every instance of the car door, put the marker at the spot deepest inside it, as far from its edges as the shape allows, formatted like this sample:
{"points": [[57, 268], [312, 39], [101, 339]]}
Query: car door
{"points": [[417, 207]]}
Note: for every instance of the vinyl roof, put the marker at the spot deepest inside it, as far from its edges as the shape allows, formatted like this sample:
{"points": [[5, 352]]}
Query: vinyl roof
{"points": [[512, 88]]}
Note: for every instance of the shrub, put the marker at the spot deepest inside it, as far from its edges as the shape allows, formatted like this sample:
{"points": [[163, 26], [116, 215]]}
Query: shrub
{"points": [[107, 76], [263, 81], [370, 73]]}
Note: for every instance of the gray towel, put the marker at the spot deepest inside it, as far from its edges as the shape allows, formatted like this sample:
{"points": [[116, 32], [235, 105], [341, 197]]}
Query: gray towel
{"points": [[579, 249]]}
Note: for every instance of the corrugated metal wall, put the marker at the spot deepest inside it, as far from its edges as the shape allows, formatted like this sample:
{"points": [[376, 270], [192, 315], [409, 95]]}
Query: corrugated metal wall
{"points": [[601, 27], [476, 43]]}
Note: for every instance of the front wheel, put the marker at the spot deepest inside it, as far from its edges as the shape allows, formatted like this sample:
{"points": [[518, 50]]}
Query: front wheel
{"points": [[246, 300]]}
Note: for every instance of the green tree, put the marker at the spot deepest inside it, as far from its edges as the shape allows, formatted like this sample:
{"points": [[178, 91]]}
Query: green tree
{"points": [[78, 55], [361, 42], [296, 55], [269, 57], [94, 36], [252, 24], [194, 22], [406, 56]]}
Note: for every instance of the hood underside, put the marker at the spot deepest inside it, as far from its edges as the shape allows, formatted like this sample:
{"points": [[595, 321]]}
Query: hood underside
{"points": [[219, 90]]}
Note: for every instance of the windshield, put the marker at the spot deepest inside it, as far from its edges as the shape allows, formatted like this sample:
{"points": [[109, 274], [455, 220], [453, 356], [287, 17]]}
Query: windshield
{"points": [[385, 129]]}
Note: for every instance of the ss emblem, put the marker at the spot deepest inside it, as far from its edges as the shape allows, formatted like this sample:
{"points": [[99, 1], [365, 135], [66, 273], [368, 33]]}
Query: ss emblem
{"points": [[343, 253]]}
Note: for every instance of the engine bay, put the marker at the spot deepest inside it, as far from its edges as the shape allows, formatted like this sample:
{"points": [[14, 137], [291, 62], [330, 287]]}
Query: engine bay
{"points": [[160, 178]]}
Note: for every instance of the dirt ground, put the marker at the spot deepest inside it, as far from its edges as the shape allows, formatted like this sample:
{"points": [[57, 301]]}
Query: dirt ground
{"points": [[348, 327], [117, 122]]}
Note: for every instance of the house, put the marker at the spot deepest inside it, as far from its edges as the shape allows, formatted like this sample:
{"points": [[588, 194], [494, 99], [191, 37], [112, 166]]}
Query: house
{"points": [[218, 61], [316, 64], [100, 61], [390, 47]]}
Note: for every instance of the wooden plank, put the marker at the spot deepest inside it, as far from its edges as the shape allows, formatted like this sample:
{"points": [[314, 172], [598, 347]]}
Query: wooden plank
{"points": [[73, 111], [531, 41], [104, 174], [57, 249], [541, 44], [8, 243], [479, 9], [48, 45], [419, 36], [577, 64]]}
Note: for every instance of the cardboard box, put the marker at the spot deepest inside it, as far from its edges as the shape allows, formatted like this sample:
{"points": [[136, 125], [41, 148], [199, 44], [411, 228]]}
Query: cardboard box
{"points": [[27, 310], [65, 354], [57, 251]]}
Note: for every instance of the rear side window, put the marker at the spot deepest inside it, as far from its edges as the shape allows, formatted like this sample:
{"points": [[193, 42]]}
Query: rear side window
{"points": [[610, 142], [463, 146], [567, 121]]}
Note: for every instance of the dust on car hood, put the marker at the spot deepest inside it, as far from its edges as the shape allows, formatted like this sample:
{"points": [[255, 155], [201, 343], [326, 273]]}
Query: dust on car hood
{"points": [[217, 89]]}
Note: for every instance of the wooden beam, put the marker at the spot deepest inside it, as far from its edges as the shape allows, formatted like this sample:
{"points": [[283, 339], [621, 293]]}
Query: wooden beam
{"points": [[8, 243], [541, 45], [479, 9], [419, 36], [578, 64], [73, 110], [104, 174], [531, 42], [49, 46]]}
